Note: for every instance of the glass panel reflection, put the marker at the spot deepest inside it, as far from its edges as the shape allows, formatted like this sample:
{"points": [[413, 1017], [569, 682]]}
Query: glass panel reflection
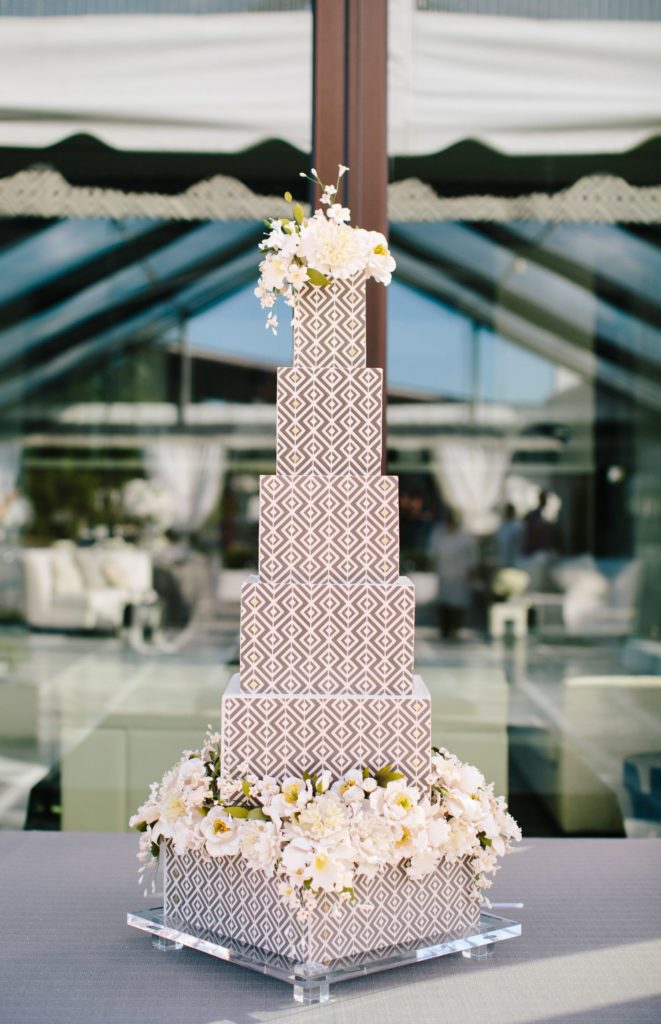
{"points": [[138, 412]]}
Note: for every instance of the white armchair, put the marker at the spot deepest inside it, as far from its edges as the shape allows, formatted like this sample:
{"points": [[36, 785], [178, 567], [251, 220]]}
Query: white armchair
{"points": [[84, 588]]}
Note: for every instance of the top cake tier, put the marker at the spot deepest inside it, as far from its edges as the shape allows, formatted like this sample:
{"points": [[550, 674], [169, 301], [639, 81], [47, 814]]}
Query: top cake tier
{"points": [[329, 324]]}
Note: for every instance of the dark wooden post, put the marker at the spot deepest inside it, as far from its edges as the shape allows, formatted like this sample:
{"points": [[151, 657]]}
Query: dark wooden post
{"points": [[349, 127], [329, 89]]}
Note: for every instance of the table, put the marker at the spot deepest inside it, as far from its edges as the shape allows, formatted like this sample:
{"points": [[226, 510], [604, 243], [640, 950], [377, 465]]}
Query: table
{"points": [[590, 952]]}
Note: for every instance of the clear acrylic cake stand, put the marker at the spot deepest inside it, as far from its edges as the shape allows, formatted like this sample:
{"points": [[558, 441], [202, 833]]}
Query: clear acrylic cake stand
{"points": [[312, 981]]}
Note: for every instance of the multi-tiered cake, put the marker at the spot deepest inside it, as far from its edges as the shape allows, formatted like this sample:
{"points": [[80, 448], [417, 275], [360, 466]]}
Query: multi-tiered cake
{"points": [[326, 673], [319, 825]]}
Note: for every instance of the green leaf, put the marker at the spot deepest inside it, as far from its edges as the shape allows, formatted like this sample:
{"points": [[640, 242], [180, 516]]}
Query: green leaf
{"points": [[237, 812], [141, 826], [349, 889], [384, 771], [366, 772], [317, 278], [484, 840], [390, 777], [298, 213], [257, 814], [288, 197], [155, 850], [245, 787]]}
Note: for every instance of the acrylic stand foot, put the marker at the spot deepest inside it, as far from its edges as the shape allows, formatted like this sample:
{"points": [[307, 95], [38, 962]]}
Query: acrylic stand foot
{"points": [[166, 945], [311, 992], [485, 952], [312, 982]]}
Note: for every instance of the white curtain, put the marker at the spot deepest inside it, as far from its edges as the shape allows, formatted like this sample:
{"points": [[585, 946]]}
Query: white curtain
{"points": [[192, 84], [10, 466], [471, 474], [191, 470]]}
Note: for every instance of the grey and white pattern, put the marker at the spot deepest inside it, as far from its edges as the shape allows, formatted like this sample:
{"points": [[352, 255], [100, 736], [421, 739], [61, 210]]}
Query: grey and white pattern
{"points": [[327, 638], [329, 324], [326, 667], [329, 420], [226, 896], [288, 734], [328, 529]]}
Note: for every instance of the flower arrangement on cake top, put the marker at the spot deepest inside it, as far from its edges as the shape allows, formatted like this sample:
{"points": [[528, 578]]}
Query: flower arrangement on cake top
{"points": [[316, 250], [318, 834]]}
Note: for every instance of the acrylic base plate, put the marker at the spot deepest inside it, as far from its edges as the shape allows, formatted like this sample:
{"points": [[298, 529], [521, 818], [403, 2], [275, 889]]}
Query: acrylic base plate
{"points": [[312, 981]]}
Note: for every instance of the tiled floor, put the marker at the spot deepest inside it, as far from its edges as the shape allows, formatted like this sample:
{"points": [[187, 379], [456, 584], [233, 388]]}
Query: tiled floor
{"points": [[97, 720]]}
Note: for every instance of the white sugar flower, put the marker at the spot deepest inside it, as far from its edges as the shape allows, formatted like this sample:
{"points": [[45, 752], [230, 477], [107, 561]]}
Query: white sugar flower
{"points": [[221, 833], [272, 323], [380, 264], [292, 798], [341, 170], [268, 787], [410, 838], [397, 801], [350, 786], [373, 843], [438, 831], [333, 249], [328, 193], [422, 863], [338, 214], [259, 845], [324, 816], [296, 857], [297, 275], [193, 782], [330, 868], [273, 270]]}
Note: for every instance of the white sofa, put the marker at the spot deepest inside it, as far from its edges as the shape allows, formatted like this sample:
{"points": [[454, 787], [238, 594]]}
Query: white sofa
{"points": [[84, 588]]}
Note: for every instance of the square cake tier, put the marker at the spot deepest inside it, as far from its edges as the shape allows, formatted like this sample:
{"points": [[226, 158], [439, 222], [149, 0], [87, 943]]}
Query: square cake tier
{"points": [[329, 324], [225, 896], [329, 420], [278, 734], [327, 637], [329, 529]]}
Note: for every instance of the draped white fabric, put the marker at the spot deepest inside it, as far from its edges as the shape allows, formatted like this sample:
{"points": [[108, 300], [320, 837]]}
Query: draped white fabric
{"points": [[191, 470], [199, 83], [10, 466], [471, 474]]}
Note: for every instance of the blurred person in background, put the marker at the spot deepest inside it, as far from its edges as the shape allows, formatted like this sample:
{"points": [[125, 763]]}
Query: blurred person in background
{"points": [[508, 538], [455, 554]]}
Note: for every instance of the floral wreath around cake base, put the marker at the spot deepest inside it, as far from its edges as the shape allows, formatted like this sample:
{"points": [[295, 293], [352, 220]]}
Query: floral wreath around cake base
{"points": [[319, 835]]}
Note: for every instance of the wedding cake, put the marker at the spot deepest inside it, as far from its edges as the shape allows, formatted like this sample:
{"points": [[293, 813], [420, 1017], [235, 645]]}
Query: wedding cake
{"points": [[319, 824]]}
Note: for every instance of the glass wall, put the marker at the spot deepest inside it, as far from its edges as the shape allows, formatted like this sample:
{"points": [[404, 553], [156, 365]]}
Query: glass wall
{"points": [[137, 390]]}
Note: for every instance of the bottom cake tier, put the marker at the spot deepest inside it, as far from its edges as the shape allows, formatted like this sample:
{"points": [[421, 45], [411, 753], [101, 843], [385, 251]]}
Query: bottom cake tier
{"points": [[225, 896]]}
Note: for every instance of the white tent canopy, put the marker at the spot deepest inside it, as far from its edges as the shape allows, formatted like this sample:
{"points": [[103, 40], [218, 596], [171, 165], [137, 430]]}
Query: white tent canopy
{"points": [[221, 83]]}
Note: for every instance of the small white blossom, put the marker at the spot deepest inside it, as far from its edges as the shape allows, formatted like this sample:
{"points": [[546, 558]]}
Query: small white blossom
{"points": [[338, 214], [221, 833]]}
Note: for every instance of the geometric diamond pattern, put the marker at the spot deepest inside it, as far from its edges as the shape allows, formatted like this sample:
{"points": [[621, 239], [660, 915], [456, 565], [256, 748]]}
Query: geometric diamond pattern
{"points": [[326, 675], [278, 734], [226, 896], [327, 638], [328, 529], [329, 420], [329, 324]]}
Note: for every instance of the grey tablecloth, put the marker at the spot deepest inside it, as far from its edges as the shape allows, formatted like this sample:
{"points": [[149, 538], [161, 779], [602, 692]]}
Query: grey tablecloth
{"points": [[590, 952]]}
